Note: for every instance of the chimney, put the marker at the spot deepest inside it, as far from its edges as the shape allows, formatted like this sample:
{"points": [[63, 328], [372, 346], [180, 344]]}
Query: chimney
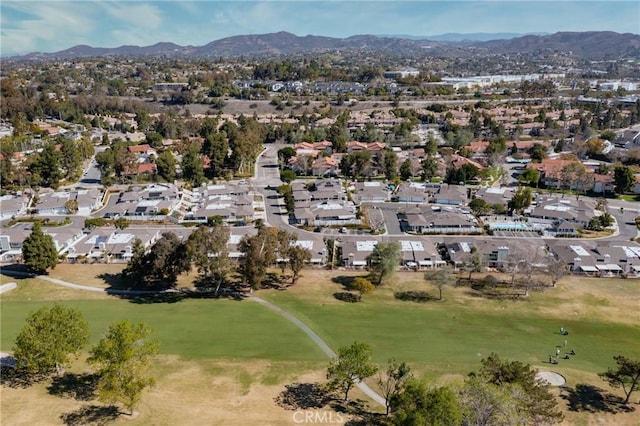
{"points": [[607, 259]]}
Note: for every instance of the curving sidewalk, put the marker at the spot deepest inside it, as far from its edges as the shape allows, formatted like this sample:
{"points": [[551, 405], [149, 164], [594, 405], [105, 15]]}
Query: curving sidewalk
{"points": [[293, 319]]}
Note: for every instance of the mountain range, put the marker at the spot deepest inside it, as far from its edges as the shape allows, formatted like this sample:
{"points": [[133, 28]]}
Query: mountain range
{"points": [[587, 45]]}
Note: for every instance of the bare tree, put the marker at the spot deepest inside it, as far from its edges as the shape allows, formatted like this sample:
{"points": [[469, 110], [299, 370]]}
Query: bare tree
{"points": [[556, 269]]}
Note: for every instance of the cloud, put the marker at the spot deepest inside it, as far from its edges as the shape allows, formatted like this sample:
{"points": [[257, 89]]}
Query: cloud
{"points": [[134, 15], [45, 25]]}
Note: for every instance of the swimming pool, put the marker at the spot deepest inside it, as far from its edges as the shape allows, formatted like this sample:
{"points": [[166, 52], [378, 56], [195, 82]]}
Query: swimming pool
{"points": [[509, 226]]}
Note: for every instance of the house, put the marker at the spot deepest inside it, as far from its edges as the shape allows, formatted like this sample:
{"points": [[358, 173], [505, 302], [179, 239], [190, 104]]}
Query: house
{"points": [[498, 253], [553, 174], [427, 220], [636, 185], [334, 213], [356, 146], [458, 161], [143, 202], [628, 138], [370, 191], [13, 205], [451, 194], [577, 257], [412, 192], [355, 253], [111, 244], [495, 196], [143, 149], [420, 254], [11, 240], [577, 212], [603, 184], [324, 166], [56, 203]]}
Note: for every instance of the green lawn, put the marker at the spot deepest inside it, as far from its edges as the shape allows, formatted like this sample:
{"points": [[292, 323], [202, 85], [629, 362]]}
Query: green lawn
{"points": [[436, 337], [448, 337], [192, 329], [456, 341]]}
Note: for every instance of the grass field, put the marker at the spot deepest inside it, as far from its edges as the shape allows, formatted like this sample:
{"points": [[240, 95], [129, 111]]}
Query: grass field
{"points": [[190, 328], [450, 337], [224, 361]]}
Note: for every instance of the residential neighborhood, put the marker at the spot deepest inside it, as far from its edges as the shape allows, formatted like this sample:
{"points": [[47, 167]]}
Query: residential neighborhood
{"points": [[362, 229]]}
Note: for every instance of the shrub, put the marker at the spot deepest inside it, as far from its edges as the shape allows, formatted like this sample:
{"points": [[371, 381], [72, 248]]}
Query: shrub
{"points": [[413, 296], [346, 297]]}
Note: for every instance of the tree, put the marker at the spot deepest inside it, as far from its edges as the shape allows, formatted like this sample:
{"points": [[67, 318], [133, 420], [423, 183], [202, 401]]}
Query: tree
{"points": [[284, 155], [362, 286], [475, 263], [429, 168], [166, 164], [390, 164], [625, 376], [416, 405], [123, 360], [39, 252], [352, 365], [47, 165], [541, 406], [538, 152], [71, 206], [161, 265], [392, 383], [287, 175], [70, 158], [441, 277], [484, 403], [623, 179], [120, 223], [530, 176], [258, 252], [216, 147], [298, 258], [479, 206], [208, 248], [463, 174], [556, 269], [405, 170], [48, 338], [384, 260], [520, 200], [193, 165]]}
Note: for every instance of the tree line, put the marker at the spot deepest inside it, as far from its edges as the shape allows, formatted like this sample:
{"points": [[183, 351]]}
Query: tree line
{"points": [[207, 250]]}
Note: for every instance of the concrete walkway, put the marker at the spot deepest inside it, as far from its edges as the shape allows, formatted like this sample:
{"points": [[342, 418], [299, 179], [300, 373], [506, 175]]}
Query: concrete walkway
{"points": [[302, 326]]}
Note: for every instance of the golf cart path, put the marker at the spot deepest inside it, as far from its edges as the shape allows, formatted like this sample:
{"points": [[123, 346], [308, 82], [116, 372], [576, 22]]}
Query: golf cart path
{"points": [[293, 319]]}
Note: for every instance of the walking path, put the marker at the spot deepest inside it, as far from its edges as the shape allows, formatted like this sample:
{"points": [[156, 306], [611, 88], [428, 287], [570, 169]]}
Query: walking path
{"points": [[302, 326], [318, 341]]}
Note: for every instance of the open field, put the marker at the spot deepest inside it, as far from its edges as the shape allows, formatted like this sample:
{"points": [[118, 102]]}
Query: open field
{"points": [[224, 362], [195, 392], [450, 337]]}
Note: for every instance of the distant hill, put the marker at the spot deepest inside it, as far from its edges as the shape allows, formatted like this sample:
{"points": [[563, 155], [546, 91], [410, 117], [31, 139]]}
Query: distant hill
{"points": [[590, 45], [467, 36]]}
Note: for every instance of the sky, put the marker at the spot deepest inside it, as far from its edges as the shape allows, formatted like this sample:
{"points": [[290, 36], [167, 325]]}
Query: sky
{"points": [[52, 25]]}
